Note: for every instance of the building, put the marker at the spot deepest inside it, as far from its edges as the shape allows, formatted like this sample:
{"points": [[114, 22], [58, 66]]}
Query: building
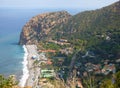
{"points": [[34, 57], [45, 73], [63, 40], [108, 68]]}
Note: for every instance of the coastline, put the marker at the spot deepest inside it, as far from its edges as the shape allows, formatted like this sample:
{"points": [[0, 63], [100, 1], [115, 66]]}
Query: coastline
{"points": [[31, 79], [25, 68]]}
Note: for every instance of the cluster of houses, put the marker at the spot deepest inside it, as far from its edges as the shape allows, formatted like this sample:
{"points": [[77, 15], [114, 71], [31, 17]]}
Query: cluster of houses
{"points": [[108, 68], [42, 59], [95, 68], [44, 72], [48, 73], [99, 69], [105, 68]]}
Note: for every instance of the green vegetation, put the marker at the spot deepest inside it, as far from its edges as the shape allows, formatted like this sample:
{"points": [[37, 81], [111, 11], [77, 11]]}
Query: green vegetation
{"points": [[78, 44], [91, 28], [7, 82], [52, 46], [112, 83]]}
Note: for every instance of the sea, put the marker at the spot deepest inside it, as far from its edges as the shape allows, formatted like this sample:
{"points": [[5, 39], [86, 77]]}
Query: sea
{"points": [[12, 55]]}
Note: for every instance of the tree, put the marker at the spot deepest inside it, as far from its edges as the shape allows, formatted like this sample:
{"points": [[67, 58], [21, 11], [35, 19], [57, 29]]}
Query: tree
{"points": [[107, 84], [9, 82], [117, 81], [89, 82], [114, 83]]}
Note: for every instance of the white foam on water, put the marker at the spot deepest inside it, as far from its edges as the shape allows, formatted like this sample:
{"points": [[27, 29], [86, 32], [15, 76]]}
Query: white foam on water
{"points": [[25, 69]]}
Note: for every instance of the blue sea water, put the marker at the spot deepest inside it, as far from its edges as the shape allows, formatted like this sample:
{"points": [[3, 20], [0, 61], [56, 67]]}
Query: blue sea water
{"points": [[11, 23]]}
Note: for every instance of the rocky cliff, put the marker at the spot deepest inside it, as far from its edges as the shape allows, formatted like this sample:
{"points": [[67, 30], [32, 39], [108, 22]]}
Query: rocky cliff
{"points": [[40, 26]]}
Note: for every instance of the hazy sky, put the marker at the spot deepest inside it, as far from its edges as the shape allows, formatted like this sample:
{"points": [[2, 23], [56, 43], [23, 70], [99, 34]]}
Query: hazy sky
{"points": [[55, 3]]}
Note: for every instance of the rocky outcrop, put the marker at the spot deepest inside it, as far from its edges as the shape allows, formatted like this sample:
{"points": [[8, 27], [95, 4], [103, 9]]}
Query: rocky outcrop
{"points": [[40, 26]]}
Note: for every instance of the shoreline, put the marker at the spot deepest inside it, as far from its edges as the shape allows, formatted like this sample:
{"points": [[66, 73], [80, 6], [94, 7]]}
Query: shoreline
{"points": [[25, 70]]}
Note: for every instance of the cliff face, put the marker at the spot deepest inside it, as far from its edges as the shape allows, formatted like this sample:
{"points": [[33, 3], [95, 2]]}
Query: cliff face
{"points": [[40, 26]]}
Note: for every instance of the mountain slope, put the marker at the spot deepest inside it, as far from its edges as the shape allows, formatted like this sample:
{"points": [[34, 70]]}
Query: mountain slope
{"points": [[82, 24]]}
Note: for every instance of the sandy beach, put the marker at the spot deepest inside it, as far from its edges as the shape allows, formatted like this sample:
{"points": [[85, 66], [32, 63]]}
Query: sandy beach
{"points": [[34, 72]]}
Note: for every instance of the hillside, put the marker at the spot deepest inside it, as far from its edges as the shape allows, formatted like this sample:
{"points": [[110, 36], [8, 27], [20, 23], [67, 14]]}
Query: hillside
{"points": [[92, 22]]}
